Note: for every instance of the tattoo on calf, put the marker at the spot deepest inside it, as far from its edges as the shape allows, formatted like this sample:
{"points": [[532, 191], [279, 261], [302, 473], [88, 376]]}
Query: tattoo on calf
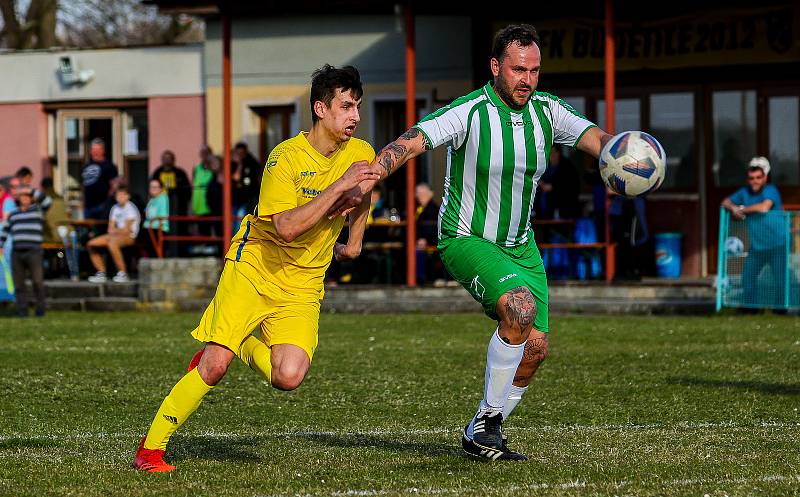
{"points": [[535, 350], [520, 306]]}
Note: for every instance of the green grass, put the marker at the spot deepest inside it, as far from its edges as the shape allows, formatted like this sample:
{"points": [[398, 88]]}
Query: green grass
{"points": [[624, 406]]}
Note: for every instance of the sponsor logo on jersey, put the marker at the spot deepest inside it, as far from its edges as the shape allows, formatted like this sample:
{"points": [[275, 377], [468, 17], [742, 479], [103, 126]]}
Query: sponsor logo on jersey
{"points": [[512, 123], [310, 192], [506, 277], [307, 174]]}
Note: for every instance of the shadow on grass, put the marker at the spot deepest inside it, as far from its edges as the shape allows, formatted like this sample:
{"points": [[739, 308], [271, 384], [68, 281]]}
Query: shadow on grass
{"points": [[27, 443], [218, 448], [755, 386], [356, 440], [245, 448]]}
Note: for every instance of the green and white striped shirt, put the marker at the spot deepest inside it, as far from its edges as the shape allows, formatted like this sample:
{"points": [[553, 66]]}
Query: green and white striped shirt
{"points": [[495, 159]]}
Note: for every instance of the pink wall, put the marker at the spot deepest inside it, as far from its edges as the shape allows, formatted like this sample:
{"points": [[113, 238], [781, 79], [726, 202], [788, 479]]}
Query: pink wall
{"points": [[23, 139], [177, 124]]}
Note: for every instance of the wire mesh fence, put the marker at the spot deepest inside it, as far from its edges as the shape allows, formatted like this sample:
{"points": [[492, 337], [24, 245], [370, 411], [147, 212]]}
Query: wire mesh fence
{"points": [[759, 260]]}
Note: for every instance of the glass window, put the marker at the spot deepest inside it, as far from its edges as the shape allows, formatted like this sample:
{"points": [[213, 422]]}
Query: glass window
{"points": [[784, 149], [136, 139], [734, 114], [627, 114], [672, 123]]}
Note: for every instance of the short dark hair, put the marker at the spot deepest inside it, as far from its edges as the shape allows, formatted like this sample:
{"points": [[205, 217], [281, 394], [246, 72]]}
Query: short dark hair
{"points": [[24, 171], [122, 188], [523, 34], [47, 183], [241, 145], [327, 79]]}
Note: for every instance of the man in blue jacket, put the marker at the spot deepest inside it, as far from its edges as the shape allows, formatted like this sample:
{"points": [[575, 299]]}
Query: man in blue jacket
{"points": [[759, 205]]}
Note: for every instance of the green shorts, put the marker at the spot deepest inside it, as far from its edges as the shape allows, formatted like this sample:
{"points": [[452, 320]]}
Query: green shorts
{"points": [[488, 270]]}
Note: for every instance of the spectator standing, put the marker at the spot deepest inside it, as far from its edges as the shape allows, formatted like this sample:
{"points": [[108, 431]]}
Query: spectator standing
{"points": [[96, 177], [123, 227], [559, 189], [755, 204], [157, 207], [25, 176], [204, 184], [25, 225], [175, 183], [246, 181], [427, 227], [56, 214], [205, 172], [6, 200], [179, 190]]}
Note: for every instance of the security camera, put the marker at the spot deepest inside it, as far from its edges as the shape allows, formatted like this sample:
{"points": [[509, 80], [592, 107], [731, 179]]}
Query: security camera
{"points": [[69, 73]]}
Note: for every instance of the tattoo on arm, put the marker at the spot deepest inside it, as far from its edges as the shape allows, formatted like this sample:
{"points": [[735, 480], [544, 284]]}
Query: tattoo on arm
{"points": [[520, 306], [386, 162], [393, 154], [413, 133]]}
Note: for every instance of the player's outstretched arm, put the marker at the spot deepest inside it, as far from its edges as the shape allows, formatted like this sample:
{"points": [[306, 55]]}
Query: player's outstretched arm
{"points": [[294, 222], [407, 146], [592, 142], [358, 224]]}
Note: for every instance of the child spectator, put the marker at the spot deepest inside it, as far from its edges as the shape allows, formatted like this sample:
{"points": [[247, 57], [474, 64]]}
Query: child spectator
{"points": [[123, 227], [25, 225], [157, 207], [25, 176]]}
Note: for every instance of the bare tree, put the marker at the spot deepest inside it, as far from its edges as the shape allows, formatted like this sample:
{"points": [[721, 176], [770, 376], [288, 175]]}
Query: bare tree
{"points": [[104, 23], [37, 29], [92, 23]]}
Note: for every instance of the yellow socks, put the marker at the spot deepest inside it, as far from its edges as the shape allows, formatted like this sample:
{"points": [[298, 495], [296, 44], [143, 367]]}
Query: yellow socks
{"points": [[256, 355], [182, 401]]}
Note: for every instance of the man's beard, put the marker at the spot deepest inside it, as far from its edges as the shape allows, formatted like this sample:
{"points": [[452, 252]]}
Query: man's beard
{"points": [[507, 96]]}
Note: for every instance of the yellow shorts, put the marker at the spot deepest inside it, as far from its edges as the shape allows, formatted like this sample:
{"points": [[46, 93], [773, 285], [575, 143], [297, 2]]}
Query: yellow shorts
{"points": [[245, 300]]}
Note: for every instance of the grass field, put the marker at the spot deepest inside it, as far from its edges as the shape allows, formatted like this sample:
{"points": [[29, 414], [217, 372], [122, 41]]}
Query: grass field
{"points": [[624, 406]]}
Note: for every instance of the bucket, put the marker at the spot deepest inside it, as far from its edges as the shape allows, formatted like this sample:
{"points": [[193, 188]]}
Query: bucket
{"points": [[668, 255]]}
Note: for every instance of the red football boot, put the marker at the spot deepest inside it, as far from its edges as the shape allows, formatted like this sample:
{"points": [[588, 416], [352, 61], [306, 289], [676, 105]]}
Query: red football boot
{"points": [[195, 360], [151, 461]]}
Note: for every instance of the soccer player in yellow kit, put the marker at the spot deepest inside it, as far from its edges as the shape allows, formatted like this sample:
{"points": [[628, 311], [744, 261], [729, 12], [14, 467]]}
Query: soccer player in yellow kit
{"points": [[274, 270]]}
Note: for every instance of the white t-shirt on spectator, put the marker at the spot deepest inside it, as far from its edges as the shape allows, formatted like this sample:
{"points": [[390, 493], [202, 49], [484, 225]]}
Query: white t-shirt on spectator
{"points": [[120, 215]]}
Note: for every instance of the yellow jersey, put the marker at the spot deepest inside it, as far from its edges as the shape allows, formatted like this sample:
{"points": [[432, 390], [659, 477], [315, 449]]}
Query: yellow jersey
{"points": [[295, 173]]}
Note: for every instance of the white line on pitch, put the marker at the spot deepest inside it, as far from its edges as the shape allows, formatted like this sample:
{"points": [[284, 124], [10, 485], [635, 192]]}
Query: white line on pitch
{"points": [[558, 486], [430, 431]]}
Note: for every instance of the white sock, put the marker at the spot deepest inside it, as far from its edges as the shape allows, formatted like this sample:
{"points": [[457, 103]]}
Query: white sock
{"points": [[502, 360], [514, 397]]}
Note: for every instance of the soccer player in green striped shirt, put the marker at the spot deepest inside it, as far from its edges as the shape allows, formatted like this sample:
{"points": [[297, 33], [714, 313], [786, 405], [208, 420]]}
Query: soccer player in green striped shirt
{"points": [[499, 138]]}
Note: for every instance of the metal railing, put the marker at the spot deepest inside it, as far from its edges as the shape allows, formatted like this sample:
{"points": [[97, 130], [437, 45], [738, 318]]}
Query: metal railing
{"points": [[758, 263]]}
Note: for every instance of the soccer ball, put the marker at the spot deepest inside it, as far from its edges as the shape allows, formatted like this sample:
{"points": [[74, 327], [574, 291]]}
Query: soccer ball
{"points": [[632, 163]]}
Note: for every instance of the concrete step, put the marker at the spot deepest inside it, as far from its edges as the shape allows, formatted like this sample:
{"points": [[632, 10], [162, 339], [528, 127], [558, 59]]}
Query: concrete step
{"points": [[599, 299], [631, 292], [632, 306], [112, 304], [84, 289], [130, 289], [66, 289], [65, 304]]}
